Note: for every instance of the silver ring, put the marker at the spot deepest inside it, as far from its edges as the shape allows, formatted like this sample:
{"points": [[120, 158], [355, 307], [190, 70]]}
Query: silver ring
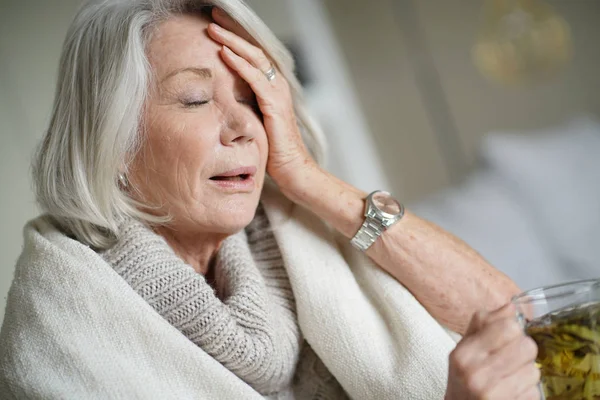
{"points": [[270, 74]]}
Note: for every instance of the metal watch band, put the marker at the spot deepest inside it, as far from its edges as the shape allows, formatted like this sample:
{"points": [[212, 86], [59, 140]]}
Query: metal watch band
{"points": [[367, 235]]}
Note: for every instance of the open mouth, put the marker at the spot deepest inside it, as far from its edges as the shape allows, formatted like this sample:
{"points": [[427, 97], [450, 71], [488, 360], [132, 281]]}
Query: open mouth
{"points": [[240, 177]]}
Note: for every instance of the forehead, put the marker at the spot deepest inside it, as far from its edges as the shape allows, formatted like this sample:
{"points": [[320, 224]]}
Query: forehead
{"points": [[182, 41]]}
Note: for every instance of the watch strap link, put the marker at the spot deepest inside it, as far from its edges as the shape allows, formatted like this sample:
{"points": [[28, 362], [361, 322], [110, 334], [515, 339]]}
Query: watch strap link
{"points": [[367, 234]]}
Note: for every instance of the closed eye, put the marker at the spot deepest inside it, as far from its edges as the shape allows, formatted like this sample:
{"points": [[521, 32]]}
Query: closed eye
{"points": [[192, 104]]}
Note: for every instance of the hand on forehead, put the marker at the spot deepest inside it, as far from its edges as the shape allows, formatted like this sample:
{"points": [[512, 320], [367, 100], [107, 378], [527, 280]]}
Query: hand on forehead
{"points": [[223, 19]]}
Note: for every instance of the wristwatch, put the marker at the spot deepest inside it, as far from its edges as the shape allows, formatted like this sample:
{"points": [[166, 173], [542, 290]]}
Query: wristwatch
{"points": [[382, 210]]}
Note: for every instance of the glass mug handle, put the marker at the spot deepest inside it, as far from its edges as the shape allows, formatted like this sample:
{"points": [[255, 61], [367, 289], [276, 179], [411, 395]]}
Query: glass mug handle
{"points": [[522, 320]]}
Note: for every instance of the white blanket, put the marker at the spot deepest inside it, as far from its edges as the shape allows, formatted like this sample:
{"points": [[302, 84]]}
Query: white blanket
{"points": [[75, 330]]}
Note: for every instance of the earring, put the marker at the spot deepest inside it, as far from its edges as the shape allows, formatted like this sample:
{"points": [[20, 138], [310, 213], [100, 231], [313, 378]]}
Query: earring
{"points": [[123, 181]]}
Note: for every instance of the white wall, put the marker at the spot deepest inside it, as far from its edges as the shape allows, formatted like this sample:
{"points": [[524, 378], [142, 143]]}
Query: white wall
{"points": [[479, 106], [377, 52], [31, 35]]}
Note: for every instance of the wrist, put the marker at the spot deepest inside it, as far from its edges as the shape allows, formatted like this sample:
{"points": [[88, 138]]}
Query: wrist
{"points": [[337, 203], [302, 181]]}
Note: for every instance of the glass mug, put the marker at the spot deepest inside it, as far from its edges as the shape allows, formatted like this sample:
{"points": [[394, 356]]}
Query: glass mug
{"points": [[564, 321]]}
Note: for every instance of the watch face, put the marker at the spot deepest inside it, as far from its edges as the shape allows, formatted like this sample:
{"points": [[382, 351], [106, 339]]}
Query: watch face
{"points": [[386, 203]]}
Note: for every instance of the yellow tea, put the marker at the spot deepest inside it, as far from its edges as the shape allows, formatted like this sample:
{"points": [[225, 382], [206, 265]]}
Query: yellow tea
{"points": [[569, 352]]}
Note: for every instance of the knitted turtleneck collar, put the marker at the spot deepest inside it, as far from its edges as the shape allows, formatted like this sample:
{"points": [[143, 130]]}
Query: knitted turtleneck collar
{"points": [[250, 327]]}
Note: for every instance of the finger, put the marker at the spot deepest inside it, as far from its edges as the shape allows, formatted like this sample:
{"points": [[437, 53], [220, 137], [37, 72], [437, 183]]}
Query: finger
{"points": [[240, 46], [522, 382], [507, 310], [503, 364], [472, 352], [498, 334], [256, 79], [522, 350], [482, 318], [223, 19]]}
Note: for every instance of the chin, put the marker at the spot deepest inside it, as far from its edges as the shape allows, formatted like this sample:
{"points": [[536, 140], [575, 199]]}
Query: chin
{"points": [[232, 227], [235, 216]]}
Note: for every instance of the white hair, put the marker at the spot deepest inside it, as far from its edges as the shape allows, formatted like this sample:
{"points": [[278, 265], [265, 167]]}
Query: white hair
{"points": [[103, 82]]}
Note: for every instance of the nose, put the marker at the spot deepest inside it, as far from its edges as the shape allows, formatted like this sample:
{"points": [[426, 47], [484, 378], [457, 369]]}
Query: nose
{"points": [[238, 126]]}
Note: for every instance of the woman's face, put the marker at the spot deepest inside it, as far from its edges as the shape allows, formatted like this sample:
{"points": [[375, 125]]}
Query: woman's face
{"points": [[204, 151]]}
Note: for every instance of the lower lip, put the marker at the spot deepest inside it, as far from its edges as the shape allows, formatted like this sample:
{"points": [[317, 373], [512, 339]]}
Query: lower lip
{"points": [[247, 185]]}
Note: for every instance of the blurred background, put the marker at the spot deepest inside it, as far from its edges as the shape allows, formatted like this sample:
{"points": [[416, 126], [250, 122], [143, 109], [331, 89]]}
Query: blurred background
{"points": [[481, 115]]}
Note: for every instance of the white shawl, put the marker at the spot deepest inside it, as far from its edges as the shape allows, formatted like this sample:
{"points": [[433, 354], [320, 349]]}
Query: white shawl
{"points": [[75, 330]]}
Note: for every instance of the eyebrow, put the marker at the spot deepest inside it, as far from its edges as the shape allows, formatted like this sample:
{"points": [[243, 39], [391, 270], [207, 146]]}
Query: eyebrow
{"points": [[204, 73]]}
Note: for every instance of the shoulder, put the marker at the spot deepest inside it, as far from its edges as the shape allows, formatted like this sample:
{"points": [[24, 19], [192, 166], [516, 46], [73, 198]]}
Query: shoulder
{"points": [[50, 258], [65, 309], [58, 283], [55, 275], [44, 242]]}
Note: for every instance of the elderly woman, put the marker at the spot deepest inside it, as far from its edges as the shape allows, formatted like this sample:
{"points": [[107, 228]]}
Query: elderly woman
{"points": [[192, 247]]}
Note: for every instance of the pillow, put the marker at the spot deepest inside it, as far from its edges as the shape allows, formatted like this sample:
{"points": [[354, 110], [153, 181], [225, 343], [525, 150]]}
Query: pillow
{"points": [[556, 174]]}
